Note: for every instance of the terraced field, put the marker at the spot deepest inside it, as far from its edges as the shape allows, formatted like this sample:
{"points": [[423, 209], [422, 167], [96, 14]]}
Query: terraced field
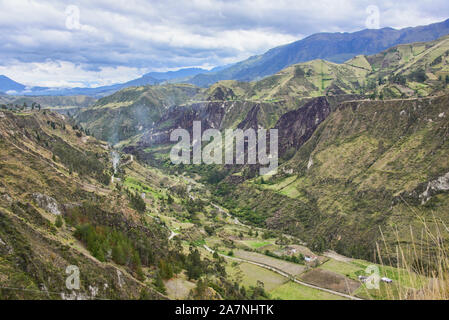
{"points": [[294, 291], [287, 267]]}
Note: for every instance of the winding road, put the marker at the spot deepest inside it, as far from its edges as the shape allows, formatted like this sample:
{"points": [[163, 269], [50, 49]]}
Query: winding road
{"points": [[280, 272]]}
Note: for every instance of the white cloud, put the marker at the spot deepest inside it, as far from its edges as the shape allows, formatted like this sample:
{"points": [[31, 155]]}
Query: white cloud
{"points": [[55, 74], [123, 38]]}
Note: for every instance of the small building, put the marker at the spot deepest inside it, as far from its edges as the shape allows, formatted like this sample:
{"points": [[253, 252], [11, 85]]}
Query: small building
{"points": [[309, 259], [386, 280], [363, 278]]}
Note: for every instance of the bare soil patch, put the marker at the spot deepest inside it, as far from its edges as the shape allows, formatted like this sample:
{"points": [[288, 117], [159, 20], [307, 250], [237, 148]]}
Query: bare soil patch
{"points": [[330, 280], [288, 267]]}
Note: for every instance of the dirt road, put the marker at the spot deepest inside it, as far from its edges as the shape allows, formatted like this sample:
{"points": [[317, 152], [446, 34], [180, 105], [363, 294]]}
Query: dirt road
{"points": [[284, 274]]}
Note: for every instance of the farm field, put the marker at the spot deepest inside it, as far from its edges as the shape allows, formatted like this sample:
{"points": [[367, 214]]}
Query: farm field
{"points": [[330, 280], [288, 267], [294, 291], [250, 274]]}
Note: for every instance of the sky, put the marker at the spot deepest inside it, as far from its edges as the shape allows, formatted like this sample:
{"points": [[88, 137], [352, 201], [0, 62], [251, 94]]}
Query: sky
{"points": [[99, 42]]}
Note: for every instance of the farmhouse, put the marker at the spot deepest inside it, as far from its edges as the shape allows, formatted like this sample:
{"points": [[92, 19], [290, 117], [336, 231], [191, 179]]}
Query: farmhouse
{"points": [[309, 259], [385, 279], [363, 278]]}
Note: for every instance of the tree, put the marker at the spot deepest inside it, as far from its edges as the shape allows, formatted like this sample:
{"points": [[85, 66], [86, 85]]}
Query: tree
{"points": [[137, 266], [209, 230], [144, 294], [194, 265], [165, 269], [200, 289], [419, 75], [137, 202], [159, 283], [58, 222], [118, 255]]}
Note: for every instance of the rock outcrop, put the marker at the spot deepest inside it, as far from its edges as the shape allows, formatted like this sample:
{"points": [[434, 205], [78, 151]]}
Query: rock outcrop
{"points": [[47, 203]]}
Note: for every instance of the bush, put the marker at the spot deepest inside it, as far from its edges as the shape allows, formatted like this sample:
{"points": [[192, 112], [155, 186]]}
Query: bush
{"points": [[58, 222], [137, 202], [419, 75], [159, 284]]}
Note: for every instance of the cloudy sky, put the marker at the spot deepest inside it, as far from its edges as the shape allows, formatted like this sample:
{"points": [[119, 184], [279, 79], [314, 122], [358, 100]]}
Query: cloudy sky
{"points": [[91, 43]]}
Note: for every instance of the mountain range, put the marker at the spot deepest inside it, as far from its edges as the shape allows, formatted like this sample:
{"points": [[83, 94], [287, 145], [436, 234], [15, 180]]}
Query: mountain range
{"points": [[362, 181], [333, 47], [9, 86], [332, 170]]}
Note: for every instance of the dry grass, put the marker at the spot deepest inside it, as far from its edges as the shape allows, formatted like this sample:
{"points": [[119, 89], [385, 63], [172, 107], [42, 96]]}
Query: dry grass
{"points": [[425, 261]]}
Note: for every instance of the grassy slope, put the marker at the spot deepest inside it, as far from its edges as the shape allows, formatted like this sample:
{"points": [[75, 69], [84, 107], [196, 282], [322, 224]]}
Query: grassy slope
{"points": [[35, 253], [127, 112], [364, 158], [393, 73]]}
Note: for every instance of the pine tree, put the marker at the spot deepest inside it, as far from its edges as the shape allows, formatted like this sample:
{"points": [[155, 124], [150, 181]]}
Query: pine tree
{"points": [[159, 284], [58, 222]]}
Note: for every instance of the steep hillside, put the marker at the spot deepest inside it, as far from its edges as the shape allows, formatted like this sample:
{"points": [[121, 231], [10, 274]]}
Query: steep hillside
{"points": [[335, 47], [418, 69], [50, 170], [369, 165], [415, 70], [132, 110], [350, 154], [68, 201]]}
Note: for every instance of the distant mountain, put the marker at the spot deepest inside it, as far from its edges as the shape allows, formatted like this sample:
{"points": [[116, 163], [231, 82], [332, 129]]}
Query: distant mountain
{"points": [[6, 84], [404, 71], [152, 78], [181, 73], [334, 47]]}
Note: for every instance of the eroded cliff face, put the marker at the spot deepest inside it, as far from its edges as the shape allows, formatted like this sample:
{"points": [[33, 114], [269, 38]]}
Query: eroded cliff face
{"points": [[296, 127], [210, 114], [369, 166]]}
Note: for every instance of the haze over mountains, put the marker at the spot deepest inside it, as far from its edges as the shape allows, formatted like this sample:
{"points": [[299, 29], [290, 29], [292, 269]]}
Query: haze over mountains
{"points": [[9, 86], [334, 47]]}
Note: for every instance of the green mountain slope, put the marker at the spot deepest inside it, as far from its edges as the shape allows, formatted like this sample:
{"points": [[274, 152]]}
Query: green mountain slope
{"points": [[405, 71], [130, 111], [58, 208], [335, 47], [367, 166], [417, 69]]}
